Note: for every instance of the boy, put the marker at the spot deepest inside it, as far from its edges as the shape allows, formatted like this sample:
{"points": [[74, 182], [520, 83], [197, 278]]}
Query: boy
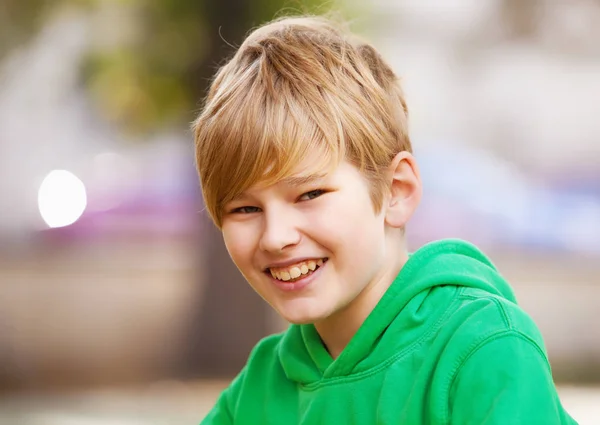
{"points": [[306, 167]]}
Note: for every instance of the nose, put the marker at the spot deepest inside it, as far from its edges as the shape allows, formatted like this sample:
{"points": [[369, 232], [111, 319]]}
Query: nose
{"points": [[279, 231]]}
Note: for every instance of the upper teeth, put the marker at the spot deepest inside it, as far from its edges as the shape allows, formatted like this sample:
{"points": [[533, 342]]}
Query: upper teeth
{"points": [[296, 270]]}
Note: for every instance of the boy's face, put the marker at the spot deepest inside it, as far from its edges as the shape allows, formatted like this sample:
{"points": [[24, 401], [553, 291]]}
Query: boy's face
{"points": [[309, 245]]}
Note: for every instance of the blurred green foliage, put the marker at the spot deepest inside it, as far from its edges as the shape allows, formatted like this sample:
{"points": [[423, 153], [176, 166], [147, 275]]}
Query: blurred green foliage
{"points": [[155, 76]]}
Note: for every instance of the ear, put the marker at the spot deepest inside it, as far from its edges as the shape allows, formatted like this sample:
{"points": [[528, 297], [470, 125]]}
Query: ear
{"points": [[405, 189]]}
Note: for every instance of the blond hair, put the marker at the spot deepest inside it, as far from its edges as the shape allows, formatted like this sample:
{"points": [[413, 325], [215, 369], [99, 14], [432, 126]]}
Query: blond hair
{"points": [[298, 86]]}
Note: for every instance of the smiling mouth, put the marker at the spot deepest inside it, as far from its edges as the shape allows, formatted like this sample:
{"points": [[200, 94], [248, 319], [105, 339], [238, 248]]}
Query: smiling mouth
{"points": [[297, 271]]}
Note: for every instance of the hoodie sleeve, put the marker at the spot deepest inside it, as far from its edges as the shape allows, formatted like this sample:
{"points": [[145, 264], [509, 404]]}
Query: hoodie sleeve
{"points": [[506, 380]]}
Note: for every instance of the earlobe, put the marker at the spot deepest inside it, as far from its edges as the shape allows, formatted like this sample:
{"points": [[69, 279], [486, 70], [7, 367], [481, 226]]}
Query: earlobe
{"points": [[405, 189]]}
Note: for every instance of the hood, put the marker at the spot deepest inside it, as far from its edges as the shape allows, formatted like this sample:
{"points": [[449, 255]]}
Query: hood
{"points": [[410, 306]]}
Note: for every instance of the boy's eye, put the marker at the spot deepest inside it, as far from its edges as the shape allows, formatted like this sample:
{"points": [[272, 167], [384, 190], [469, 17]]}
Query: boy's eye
{"points": [[245, 210], [312, 195]]}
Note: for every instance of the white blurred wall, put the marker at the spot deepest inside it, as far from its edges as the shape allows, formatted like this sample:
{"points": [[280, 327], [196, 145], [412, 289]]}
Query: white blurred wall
{"points": [[468, 81]]}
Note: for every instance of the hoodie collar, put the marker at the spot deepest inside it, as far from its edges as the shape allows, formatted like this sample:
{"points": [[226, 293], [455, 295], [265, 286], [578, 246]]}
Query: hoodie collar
{"points": [[446, 262]]}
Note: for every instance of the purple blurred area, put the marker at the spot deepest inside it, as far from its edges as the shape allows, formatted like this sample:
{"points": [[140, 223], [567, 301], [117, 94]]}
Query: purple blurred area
{"points": [[472, 194]]}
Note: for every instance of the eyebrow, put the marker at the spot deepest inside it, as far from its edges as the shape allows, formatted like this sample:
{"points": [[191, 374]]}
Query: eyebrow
{"points": [[303, 179], [295, 181]]}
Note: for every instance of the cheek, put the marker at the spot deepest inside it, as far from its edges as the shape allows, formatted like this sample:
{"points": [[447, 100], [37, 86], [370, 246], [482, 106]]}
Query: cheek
{"points": [[239, 242], [364, 233], [350, 228]]}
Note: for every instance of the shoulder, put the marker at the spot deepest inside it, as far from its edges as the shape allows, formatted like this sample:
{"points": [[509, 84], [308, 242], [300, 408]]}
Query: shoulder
{"points": [[482, 318], [246, 390], [265, 352], [498, 370], [258, 367]]}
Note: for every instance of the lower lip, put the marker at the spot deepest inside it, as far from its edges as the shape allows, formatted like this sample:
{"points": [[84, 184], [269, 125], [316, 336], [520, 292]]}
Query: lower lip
{"points": [[299, 284]]}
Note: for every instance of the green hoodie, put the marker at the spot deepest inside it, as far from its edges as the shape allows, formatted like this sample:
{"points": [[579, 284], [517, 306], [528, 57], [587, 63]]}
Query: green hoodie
{"points": [[446, 344]]}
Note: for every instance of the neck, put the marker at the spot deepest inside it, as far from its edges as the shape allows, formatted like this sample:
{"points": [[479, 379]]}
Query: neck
{"points": [[338, 329]]}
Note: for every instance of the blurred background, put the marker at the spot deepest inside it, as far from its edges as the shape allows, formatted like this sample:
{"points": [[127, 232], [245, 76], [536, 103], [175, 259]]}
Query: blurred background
{"points": [[118, 303]]}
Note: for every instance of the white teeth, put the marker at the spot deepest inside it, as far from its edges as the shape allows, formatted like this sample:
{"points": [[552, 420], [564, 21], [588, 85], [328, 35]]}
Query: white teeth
{"points": [[319, 262], [312, 265], [304, 269], [295, 272], [273, 274], [285, 276]]}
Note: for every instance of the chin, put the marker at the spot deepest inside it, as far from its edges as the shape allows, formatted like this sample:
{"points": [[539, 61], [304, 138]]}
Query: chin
{"points": [[297, 318], [305, 321], [300, 316]]}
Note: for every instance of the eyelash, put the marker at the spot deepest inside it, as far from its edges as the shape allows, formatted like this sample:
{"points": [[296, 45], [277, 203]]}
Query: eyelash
{"points": [[319, 192], [243, 210], [240, 210]]}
